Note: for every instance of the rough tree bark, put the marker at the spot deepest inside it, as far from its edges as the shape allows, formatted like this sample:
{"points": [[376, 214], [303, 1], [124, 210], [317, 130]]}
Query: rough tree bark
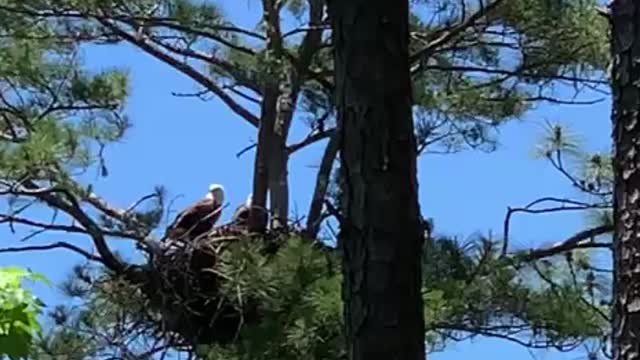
{"points": [[380, 233], [625, 18]]}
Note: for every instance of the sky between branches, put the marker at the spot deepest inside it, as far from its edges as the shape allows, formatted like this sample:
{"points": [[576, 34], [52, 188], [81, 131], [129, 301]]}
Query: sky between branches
{"points": [[186, 144]]}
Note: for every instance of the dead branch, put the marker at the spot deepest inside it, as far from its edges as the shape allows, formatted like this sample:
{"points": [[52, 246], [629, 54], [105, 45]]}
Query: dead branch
{"points": [[57, 245]]}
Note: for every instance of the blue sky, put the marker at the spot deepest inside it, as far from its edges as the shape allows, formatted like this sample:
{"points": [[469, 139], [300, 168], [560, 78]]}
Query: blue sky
{"points": [[185, 144]]}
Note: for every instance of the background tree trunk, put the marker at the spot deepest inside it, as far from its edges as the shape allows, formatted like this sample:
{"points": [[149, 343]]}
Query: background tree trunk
{"points": [[279, 157], [261, 166], [626, 137], [380, 235], [314, 217]]}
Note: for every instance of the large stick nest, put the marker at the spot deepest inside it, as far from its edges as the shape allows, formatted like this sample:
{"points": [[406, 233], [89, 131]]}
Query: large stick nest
{"points": [[182, 285]]}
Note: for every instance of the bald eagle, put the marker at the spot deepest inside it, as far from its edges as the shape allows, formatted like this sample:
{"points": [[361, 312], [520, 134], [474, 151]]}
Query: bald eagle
{"points": [[198, 218], [241, 216]]}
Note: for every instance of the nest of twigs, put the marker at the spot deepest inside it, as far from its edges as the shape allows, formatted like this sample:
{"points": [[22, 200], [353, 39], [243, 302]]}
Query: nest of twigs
{"points": [[183, 284]]}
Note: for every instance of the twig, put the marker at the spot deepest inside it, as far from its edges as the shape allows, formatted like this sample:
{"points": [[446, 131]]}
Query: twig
{"points": [[241, 152]]}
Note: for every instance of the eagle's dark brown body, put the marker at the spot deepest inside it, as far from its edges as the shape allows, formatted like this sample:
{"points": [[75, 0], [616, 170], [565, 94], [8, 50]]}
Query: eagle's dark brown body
{"points": [[195, 220], [241, 215]]}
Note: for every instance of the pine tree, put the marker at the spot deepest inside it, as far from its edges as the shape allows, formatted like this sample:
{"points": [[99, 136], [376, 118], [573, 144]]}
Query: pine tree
{"points": [[381, 247], [625, 21], [54, 135], [463, 88]]}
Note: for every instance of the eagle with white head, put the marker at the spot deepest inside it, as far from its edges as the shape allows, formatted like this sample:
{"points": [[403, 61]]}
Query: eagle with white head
{"points": [[198, 218]]}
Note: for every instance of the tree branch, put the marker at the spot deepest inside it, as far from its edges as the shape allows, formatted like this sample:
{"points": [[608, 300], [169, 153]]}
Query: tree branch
{"points": [[581, 240], [63, 228], [72, 208], [565, 205], [314, 217], [312, 138], [229, 68], [56, 245], [185, 69], [450, 33]]}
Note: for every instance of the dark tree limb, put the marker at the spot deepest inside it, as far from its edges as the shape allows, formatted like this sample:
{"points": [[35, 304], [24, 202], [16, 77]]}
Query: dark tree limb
{"points": [[581, 240], [70, 205], [311, 139], [314, 217]]}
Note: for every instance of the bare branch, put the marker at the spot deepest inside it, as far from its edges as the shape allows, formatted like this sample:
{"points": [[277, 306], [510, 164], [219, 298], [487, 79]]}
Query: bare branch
{"points": [[60, 227], [312, 138], [187, 70], [581, 240], [56, 245]]}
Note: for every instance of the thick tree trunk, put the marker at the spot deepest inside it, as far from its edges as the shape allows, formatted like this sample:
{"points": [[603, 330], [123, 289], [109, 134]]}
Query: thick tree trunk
{"points": [[626, 137], [380, 235]]}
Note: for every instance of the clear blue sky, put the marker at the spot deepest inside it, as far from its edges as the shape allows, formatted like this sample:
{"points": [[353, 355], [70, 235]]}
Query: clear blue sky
{"points": [[185, 144]]}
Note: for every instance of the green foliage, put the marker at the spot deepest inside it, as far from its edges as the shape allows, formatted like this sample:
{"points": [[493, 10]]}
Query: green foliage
{"points": [[298, 292], [54, 112], [591, 173], [473, 290], [511, 62], [469, 290], [18, 312], [58, 117], [494, 71]]}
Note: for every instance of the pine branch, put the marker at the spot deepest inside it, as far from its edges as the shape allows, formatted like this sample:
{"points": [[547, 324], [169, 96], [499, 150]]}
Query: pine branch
{"points": [[232, 70], [444, 36], [509, 73], [185, 69]]}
